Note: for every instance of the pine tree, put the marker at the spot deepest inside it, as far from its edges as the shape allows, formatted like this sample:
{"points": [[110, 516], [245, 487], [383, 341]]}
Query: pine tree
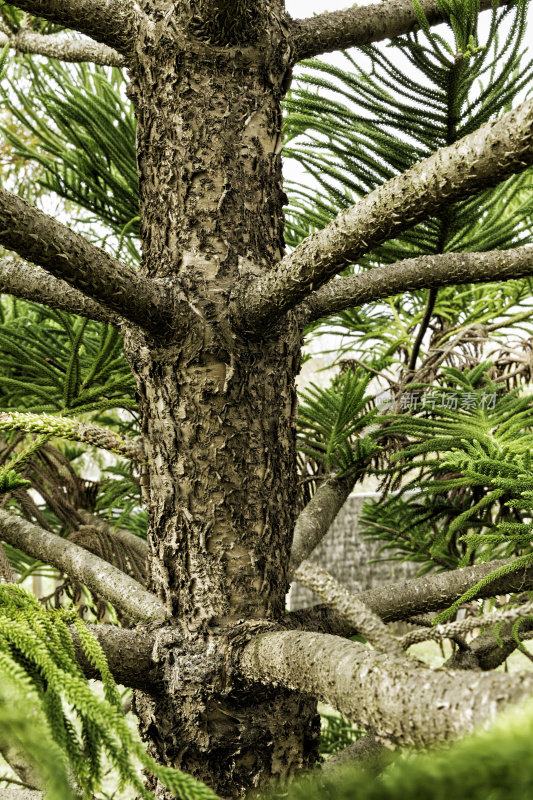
{"points": [[163, 324]]}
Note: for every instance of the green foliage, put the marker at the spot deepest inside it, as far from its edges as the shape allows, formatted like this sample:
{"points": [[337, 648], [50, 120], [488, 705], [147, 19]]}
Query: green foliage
{"points": [[37, 657], [336, 734], [492, 764]]}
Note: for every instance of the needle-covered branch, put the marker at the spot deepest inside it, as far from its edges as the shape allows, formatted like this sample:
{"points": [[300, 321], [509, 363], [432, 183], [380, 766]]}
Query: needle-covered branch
{"points": [[315, 519], [29, 283], [61, 46], [67, 255], [404, 599], [349, 606], [359, 25], [496, 150], [406, 703], [67, 428], [111, 22], [418, 273], [107, 581]]}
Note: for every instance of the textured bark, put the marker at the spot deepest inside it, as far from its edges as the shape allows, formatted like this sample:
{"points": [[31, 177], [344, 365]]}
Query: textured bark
{"points": [[43, 240], [349, 606], [112, 22], [12, 793], [448, 269], [28, 283], [358, 25], [402, 600], [408, 704], [496, 150], [62, 47], [108, 581], [367, 752], [315, 520], [128, 653]]}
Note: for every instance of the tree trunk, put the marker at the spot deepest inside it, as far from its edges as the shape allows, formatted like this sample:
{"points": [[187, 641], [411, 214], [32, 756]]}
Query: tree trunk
{"points": [[218, 407]]}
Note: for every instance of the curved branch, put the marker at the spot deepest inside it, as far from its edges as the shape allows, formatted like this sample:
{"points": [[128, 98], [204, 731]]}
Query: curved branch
{"points": [[447, 269], [359, 25], [407, 703], [109, 582], [128, 652], [30, 283], [43, 240], [62, 47], [111, 22], [404, 599], [496, 150], [67, 428]]}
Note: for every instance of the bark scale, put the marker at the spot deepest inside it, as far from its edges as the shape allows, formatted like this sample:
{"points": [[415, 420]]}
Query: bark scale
{"points": [[218, 407]]}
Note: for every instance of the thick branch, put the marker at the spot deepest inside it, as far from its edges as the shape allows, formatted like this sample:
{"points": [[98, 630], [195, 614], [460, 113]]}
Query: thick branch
{"points": [[29, 283], [107, 581], [359, 25], [315, 519], [43, 240], [66, 428], [62, 47], [402, 600], [480, 160], [447, 269], [112, 22], [128, 652], [349, 606], [409, 704]]}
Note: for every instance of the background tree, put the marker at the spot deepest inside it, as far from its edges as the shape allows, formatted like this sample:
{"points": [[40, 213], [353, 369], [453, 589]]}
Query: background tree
{"points": [[183, 272]]}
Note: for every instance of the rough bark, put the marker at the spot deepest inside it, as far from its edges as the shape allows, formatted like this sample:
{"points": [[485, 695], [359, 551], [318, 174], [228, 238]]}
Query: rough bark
{"points": [[402, 600], [128, 653], [496, 150], [99, 576], [12, 793], [408, 704], [112, 22], [24, 281], [358, 25], [62, 47], [448, 269], [43, 240]]}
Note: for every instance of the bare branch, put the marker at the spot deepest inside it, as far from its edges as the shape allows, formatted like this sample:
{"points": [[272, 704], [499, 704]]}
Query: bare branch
{"points": [[111, 22], [30, 283], [67, 428], [403, 702], [63, 47], [107, 581], [124, 537], [402, 600], [315, 519], [447, 269], [11, 793], [366, 752], [43, 240], [496, 150], [128, 652], [349, 606], [359, 25]]}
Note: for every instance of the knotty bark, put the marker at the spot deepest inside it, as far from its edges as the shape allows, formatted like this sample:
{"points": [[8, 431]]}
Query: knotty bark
{"points": [[496, 150], [108, 581], [447, 269], [112, 22], [62, 47], [28, 283]]}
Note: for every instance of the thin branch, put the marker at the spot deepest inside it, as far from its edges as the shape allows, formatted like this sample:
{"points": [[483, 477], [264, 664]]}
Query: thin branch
{"points": [[349, 606], [360, 25], [63, 47], [128, 652], [126, 538], [30, 283], [496, 150], [107, 581], [66, 428], [43, 240], [112, 22], [447, 269], [403, 702], [367, 752], [316, 518], [486, 652], [402, 600]]}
